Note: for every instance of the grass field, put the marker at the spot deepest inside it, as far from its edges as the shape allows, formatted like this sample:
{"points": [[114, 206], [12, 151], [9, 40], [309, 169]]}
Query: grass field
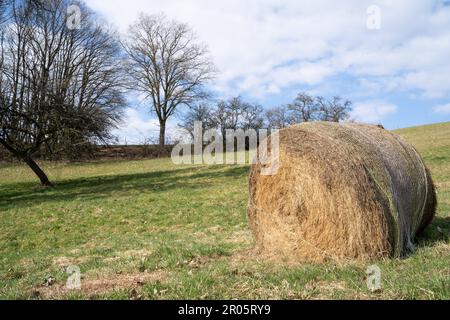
{"points": [[149, 229]]}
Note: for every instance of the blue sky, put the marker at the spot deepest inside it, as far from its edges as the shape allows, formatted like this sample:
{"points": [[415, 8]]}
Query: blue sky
{"points": [[390, 57]]}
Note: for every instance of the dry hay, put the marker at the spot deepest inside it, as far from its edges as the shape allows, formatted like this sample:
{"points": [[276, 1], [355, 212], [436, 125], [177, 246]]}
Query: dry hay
{"points": [[342, 191]]}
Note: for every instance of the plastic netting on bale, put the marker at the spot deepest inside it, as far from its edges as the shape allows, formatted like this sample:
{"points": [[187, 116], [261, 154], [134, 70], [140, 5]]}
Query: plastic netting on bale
{"points": [[342, 191]]}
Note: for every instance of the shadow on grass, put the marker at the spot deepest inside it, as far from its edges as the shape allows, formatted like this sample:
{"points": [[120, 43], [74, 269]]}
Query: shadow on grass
{"points": [[27, 194], [438, 231]]}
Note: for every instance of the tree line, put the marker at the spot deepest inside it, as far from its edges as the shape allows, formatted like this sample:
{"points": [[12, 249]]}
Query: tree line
{"points": [[235, 113], [63, 87]]}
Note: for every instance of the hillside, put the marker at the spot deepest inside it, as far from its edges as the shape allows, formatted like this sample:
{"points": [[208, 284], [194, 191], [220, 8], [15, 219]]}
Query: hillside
{"points": [[428, 138], [433, 142]]}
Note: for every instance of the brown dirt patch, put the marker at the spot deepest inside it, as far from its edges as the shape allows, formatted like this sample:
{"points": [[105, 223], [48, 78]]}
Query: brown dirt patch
{"points": [[93, 287]]}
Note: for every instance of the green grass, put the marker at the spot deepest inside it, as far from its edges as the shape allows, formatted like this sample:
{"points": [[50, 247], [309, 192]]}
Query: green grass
{"points": [[184, 232]]}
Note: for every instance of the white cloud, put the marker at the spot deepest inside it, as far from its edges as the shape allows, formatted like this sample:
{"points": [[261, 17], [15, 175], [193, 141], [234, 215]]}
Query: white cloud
{"points": [[442, 109], [264, 46], [372, 111]]}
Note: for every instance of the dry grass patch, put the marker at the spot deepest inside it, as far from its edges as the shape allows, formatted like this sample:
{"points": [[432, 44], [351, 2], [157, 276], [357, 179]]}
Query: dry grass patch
{"points": [[105, 284]]}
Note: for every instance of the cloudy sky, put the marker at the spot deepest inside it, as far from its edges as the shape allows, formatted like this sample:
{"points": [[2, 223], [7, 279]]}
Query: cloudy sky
{"points": [[395, 69]]}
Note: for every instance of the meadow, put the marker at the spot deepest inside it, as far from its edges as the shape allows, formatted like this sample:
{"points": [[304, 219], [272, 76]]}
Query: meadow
{"points": [[148, 229]]}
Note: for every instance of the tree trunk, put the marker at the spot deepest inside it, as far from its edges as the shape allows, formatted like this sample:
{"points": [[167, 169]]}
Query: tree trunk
{"points": [[162, 133], [38, 171], [30, 162]]}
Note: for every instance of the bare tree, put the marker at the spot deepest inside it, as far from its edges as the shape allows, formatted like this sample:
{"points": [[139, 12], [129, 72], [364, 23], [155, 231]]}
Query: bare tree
{"points": [[236, 113], [227, 115], [252, 117], [223, 118], [234, 110], [303, 108], [58, 87], [279, 117], [201, 113], [336, 109], [3, 10], [167, 65], [306, 108], [7, 5]]}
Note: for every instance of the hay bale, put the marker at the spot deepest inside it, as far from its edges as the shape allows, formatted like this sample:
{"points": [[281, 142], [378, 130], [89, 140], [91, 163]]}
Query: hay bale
{"points": [[342, 191]]}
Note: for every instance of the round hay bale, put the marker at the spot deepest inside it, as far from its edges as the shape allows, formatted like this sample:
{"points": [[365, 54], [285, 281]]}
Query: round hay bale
{"points": [[342, 191]]}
